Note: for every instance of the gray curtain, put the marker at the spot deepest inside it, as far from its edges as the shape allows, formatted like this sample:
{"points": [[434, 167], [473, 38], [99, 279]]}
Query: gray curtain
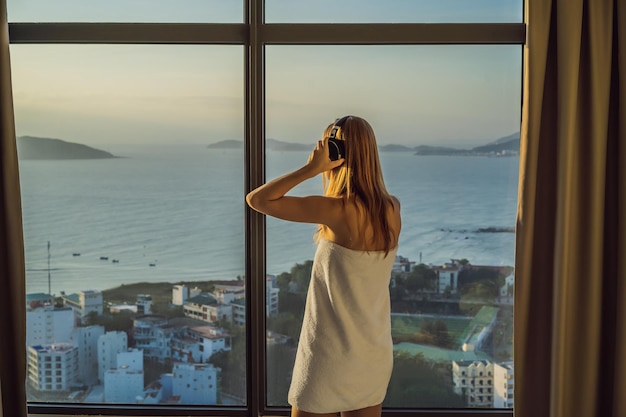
{"points": [[570, 306], [12, 293]]}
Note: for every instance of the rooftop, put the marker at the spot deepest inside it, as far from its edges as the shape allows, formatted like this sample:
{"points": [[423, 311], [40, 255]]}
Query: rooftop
{"points": [[203, 299]]}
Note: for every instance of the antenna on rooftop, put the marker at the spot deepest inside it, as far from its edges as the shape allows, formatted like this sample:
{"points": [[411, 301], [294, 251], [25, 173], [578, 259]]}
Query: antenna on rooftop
{"points": [[49, 289]]}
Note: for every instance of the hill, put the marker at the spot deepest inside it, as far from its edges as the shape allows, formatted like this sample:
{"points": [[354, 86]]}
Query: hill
{"points": [[507, 145], [271, 145], [226, 144], [30, 147], [395, 148]]}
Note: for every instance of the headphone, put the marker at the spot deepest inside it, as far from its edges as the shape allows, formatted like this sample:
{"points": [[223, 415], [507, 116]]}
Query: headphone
{"points": [[336, 147]]}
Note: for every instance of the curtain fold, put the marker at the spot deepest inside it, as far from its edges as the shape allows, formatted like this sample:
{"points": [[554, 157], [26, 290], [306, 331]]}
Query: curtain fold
{"points": [[570, 350], [12, 296]]}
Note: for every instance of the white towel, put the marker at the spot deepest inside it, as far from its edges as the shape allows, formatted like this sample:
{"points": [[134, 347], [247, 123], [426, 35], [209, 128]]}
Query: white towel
{"points": [[345, 353]]}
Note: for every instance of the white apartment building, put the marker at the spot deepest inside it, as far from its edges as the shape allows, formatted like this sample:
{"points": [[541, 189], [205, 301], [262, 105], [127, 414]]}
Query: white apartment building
{"points": [[448, 277], [196, 344], [84, 302], [181, 293], [152, 334], [46, 325], [144, 304], [227, 294], [402, 265], [271, 302], [207, 308], [195, 383], [271, 296], [239, 311], [109, 345], [474, 381], [130, 359], [123, 385], [86, 340], [52, 367], [503, 384]]}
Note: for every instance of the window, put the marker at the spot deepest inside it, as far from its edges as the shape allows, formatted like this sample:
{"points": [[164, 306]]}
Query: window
{"points": [[188, 103], [408, 93]]}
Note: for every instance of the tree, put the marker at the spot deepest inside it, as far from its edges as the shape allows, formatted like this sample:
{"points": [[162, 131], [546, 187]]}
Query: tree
{"points": [[285, 323], [435, 333], [301, 275], [421, 278], [417, 382]]}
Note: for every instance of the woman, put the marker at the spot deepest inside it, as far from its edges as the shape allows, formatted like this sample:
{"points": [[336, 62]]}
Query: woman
{"points": [[345, 352]]}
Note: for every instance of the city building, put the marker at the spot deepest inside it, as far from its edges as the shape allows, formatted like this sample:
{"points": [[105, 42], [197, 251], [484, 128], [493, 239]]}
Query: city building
{"points": [[503, 385], [86, 340], [474, 381], [196, 344], [46, 325], [144, 303], [52, 367], [37, 300], [123, 385], [448, 277], [181, 293], [195, 383], [83, 303], [109, 345], [130, 359], [271, 296], [152, 333], [207, 307], [239, 311], [402, 265]]}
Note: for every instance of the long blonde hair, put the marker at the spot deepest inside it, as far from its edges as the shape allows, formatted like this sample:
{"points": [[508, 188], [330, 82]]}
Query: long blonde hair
{"points": [[360, 177]]}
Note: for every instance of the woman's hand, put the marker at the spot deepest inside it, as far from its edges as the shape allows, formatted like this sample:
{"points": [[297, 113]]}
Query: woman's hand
{"points": [[270, 197], [319, 160]]}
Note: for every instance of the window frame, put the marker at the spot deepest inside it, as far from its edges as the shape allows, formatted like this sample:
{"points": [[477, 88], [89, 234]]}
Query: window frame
{"points": [[254, 34]]}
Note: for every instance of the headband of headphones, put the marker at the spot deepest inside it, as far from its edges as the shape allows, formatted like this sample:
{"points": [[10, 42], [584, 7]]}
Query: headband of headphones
{"points": [[336, 126]]}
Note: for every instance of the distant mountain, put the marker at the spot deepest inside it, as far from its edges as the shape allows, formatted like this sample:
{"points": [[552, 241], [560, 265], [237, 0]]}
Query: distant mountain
{"points": [[277, 145], [226, 144], [438, 150], [395, 148], [271, 144], [30, 147], [507, 145]]}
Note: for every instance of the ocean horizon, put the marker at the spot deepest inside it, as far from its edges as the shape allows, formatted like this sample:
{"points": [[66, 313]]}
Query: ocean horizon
{"points": [[176, 213]]}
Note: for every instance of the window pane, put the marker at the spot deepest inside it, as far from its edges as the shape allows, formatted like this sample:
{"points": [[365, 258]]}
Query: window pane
{"points": [[447, 123], [396, 11], [113, 11], [134, 226]]}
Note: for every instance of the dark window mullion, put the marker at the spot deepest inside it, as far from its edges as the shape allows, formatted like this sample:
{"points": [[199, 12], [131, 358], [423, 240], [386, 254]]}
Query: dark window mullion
{"points": [[129, 33], [394, 34], [255, 222]]}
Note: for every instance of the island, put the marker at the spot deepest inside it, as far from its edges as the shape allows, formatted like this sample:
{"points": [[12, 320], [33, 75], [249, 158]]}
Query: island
{"points": [[31, 147], [504, 146]]}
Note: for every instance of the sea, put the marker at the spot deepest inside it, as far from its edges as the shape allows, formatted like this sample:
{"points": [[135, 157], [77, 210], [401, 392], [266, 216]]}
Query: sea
{"points": [[172, 213]]}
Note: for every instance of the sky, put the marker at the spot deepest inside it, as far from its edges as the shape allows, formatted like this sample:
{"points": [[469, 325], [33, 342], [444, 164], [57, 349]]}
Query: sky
{"points": [[114, 94]]}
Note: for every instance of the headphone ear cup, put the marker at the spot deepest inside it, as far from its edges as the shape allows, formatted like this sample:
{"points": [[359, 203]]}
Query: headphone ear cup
{"points": [[336, 149]]}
